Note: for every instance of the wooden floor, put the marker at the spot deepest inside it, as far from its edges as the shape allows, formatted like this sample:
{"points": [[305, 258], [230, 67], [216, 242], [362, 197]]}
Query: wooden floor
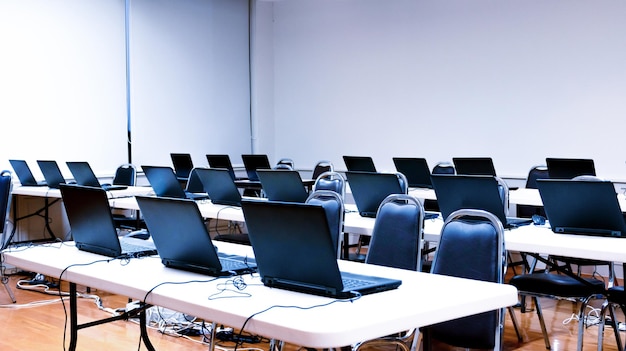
{"points": [[37, 322]]}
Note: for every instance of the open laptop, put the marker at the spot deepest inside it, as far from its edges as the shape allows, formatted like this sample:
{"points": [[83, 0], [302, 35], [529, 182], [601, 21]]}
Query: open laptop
{"points": [[24, 174], [474, 166], [165, 183], [222, 161], [455, 192], [219, 185], [93, 229], [568, 168], [254, 162], [282, 185], [370, 189], [359, 163], [84, 175], [582, 207], [182, 165], [415, 170], [183, 241], [294, 250], [51, 173]]}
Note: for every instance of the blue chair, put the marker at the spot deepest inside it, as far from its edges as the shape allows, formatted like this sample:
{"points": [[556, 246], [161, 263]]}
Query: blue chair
{"points": [[332, 203], [5, 208], [471, 246], [332, 181], [397, 241]]}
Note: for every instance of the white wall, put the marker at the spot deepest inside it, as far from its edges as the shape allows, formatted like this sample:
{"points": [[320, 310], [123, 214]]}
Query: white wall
{"points": [[517, 81]]}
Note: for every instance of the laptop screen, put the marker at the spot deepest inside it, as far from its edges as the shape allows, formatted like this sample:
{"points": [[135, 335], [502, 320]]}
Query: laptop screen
{"points": [[370, 189], [568, 168], [283, 185], [220, 186], [582, 207], [359, 163], [415, 170], [163, 181], [294, 249], [51, 173], [254, 162], [474, 165]]}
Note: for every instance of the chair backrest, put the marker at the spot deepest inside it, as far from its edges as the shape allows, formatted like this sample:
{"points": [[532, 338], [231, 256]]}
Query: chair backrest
{"points": [[471, 246], [397, 235], [194, 184], [404, 183], [5, 199], [333, 205], [503, 188], [285, 163], [321, 167], [332, 181], [537, 172], [125, 174], [444, 168]]}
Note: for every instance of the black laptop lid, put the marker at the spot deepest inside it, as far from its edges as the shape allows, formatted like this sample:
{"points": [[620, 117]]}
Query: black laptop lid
{"points": [[24, 174], [294, 250], [180, 235], [221, 161], [90, 218], [582, 207], [83, 174], [415, 170], [220, 186], [283, 185], [182, 165], [568, 168], [254, 162], [163, 181], [455, 192], [474, 166], [370, 189], [51, 173], [359, 163]]}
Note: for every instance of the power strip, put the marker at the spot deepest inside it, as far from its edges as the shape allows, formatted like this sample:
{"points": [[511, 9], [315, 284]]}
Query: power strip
{"points": [[229, 335]]}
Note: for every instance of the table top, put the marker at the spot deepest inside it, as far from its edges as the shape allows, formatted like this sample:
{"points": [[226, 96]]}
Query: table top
{"points": [[44, 191], [422, 299]]}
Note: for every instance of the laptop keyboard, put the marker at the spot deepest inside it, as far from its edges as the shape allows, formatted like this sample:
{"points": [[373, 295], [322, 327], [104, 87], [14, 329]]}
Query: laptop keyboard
{"points": [[129, 247], [233, 264], [354, 284]]}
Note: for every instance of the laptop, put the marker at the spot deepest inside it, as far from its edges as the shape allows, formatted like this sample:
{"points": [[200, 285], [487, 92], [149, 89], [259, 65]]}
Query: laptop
{"points": [[455, 192], [568, 168], [370, 189], [293, 249], [254, 162], [183, 241], [165, 183], [283, 185], [415, 170], [220, 186], [24, 174], [359, 163], [93, 229], [182, 165], [84, 175], [474, 166], [51, 173], [582, 207], [222, 161]]}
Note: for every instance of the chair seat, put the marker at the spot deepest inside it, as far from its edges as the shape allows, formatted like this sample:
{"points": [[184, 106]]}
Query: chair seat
{"points": [[556, 285], [616, 295]]}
